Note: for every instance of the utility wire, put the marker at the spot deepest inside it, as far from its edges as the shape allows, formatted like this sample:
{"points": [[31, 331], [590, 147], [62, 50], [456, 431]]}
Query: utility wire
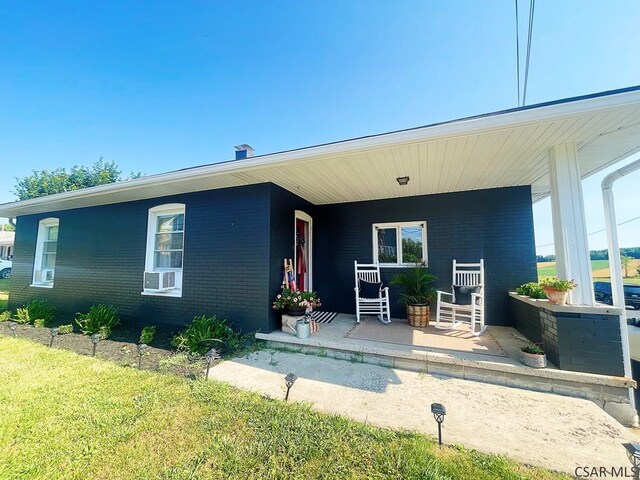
{"points": [[518, 50], [532, 7], [596, 231]]}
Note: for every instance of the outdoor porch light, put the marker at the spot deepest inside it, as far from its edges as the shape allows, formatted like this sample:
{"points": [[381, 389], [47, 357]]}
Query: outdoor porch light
{"points": [[54, 333], [289, 380], [210, 356], [95, 338], [402, 180], [633, 454], [142, 349], [439, 412], [13, 326]]}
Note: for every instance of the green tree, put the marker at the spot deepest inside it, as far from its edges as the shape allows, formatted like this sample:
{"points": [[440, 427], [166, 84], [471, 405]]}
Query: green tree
{"points": [[626, 263], [44, 182]]}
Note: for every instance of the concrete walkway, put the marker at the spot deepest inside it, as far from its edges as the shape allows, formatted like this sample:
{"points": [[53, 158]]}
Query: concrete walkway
{"points": [[542, 429]]}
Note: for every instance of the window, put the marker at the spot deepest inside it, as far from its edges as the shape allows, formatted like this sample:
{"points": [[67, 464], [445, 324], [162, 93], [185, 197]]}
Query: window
{"points": [[46, 247], [165, 247], [400, 244]]}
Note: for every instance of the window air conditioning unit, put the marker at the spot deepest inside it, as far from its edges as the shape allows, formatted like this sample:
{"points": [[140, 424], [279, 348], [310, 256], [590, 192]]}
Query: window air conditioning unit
{"points": [[159, 281], [45, 275]]}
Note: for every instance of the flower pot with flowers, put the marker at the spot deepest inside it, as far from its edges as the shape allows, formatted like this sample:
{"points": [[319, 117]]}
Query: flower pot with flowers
{"points": [[557, 290], [296, 302]]}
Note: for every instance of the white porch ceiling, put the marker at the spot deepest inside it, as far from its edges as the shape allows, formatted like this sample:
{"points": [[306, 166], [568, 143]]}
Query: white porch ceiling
{"points": [[499, 150]]}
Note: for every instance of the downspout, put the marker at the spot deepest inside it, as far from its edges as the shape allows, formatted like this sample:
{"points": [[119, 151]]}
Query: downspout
{"points": [[617, 288]]}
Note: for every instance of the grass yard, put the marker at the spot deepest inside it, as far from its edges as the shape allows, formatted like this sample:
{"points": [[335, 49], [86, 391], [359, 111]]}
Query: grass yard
{"points": [[600, 269], [4, 293], [70, 416]]}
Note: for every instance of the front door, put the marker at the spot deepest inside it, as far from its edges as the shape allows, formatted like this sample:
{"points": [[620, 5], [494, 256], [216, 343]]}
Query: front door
{"points": [[303, 258]]}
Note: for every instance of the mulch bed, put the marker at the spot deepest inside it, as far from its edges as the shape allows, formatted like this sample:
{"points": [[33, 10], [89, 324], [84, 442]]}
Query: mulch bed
{"points": [[120, 348]]}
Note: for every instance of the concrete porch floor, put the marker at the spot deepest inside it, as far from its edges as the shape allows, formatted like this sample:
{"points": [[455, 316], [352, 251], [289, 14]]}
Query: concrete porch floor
{"points": [[608, 392]]}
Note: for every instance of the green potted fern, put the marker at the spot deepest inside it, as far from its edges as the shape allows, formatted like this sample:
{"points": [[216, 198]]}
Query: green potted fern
{"points": [[416, 283]]}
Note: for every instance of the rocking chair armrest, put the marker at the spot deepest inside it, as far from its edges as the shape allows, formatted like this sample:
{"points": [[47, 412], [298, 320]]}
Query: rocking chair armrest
{"points": [[440, 293], [475, 297]]}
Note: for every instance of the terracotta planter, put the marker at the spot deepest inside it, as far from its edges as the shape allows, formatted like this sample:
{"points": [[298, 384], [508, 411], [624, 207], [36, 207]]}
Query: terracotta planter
{"points": [[418, 315], [557, 297], [533, 360]]}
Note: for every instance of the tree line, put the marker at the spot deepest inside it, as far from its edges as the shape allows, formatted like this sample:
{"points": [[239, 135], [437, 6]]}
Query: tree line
{"points": [[633, 252]]}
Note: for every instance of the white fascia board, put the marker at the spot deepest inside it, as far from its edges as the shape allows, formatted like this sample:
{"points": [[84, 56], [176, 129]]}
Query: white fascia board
{"points": [[468, 126]]}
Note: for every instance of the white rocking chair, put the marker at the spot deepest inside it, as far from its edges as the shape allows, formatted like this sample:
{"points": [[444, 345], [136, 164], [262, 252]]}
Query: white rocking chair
{"points": [[376, 305], [469, 306]]}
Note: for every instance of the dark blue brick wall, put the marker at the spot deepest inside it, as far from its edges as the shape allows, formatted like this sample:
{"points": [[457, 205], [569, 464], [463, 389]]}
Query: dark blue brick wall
{"points": [[495, 224], [236, 239], [101, 253]]}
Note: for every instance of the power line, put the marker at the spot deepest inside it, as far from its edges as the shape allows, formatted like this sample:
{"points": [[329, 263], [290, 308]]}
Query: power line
{"points": [[518, 50], [532, 6], [597, 231]]}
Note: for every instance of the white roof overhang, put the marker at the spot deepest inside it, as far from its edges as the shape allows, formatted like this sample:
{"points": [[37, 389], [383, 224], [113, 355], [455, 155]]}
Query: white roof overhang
{"points": [[502, 149]]}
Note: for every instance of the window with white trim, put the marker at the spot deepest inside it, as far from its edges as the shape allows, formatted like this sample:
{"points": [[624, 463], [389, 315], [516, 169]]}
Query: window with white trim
{"points": [[400, 244], [44, 265], [165, 249]]}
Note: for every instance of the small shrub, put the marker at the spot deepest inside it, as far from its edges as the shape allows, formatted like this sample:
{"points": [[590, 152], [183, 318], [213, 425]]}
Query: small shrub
{"points": [[557, 284], [64, 329], [22, 316], [39, 323], [147, 334], [100, 319], [531, 289], [40, 309], [5, 316], [198, 337], [535, 350]]}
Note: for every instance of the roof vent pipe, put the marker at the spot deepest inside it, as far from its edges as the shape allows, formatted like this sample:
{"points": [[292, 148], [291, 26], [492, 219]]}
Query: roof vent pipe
{"points": [[243, 151]]}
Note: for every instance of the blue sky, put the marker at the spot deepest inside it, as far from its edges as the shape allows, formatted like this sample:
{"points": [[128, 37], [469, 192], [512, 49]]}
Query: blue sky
{"points": [[157, 86]]}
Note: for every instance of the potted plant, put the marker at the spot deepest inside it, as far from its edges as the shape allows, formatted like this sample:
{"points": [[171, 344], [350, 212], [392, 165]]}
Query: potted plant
{"points": [[296, 302], [557, 290], [533, 356], [416, 282]]}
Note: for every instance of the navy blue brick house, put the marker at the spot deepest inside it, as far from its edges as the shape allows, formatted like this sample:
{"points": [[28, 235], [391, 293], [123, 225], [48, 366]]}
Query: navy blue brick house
{"points": [[235, 240]]}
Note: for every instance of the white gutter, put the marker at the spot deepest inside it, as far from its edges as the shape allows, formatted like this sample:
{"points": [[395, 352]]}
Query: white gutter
{"points": [[617, 287]]}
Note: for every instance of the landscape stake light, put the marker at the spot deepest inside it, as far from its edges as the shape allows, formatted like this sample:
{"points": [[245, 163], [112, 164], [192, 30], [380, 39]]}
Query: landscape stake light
{"points": [[13, 326], [142, 349], [210, 356], [633, 454], [95, 338], [54, 333], [289, 380], [439, 412]]}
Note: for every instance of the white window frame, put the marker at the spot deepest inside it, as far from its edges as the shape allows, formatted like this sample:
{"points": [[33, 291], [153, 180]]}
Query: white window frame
{"points": [[398, 226], [37, 262], [152, 221]]}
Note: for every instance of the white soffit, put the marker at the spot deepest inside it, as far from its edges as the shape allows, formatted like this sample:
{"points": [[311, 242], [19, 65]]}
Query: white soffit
{"points": [[498, 150]]}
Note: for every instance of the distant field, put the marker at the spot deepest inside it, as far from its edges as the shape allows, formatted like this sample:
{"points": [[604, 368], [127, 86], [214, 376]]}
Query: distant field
{"points": [[600, 269]]}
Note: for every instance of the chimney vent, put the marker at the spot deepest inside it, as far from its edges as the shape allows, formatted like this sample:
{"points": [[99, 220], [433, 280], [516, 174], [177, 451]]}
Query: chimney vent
{"points": [[243, 151]]}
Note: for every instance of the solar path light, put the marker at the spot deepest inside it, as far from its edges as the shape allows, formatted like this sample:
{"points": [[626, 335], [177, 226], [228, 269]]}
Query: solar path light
{"points": [[95, 339], [439, 412], [142, 349], [210, 356], [13, 326], [54, 334], [633, 454], [289, 380]]}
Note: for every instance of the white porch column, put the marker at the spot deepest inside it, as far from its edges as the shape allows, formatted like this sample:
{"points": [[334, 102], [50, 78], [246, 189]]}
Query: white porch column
{"points": [[569, 228]]}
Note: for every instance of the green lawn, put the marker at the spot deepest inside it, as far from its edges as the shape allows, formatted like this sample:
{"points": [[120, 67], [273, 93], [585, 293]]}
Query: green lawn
{"points": [[4, 293], [69, 416], [550, 270]]}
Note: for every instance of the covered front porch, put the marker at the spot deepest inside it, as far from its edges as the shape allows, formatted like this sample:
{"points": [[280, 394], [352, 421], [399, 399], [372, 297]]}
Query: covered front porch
{"points": [[492, 358]]}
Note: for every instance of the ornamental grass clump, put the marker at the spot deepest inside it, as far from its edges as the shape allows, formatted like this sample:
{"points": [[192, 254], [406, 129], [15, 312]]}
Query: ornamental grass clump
{"points": [[100, 319], [40, 310], [202, 334]]}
